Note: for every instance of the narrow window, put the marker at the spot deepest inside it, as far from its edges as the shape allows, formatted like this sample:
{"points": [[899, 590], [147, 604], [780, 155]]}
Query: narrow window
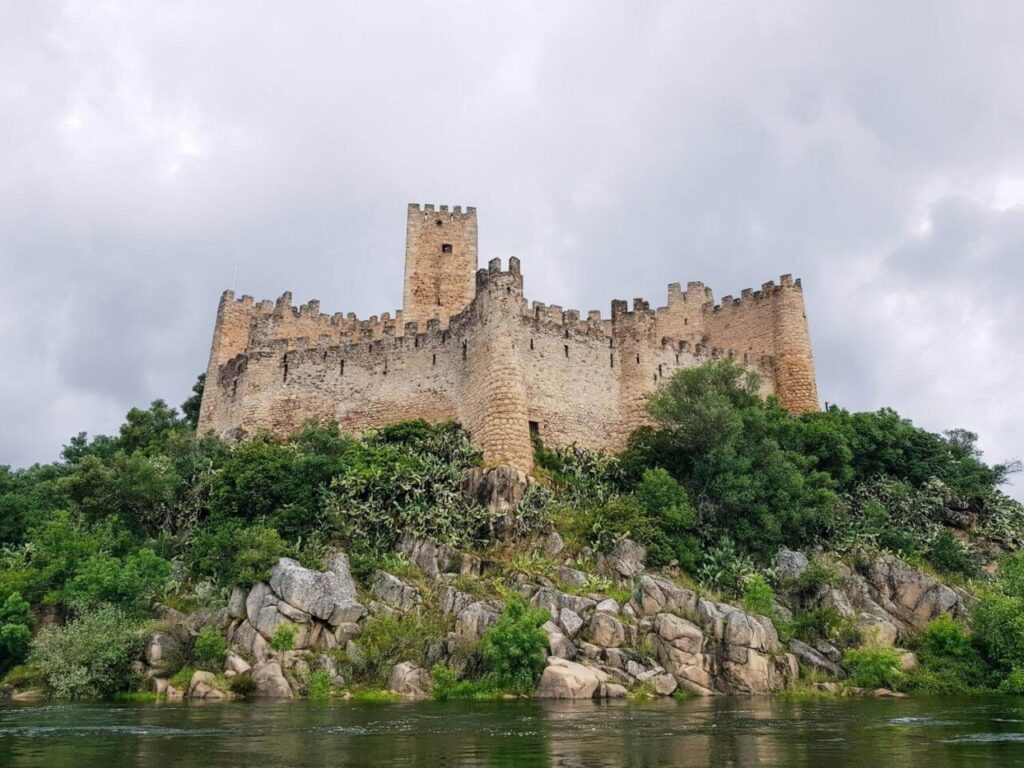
{"points": [[660, 374], [566, 347], [286, 368], [416, 341], [655, 378], [439, 301], [567, 333], [638, 359], [234, 387], [463, 350], [342, 369], [534, 431], [611, 361], [446, 247], [444, 336], [686, 321], [369, 347], [531, 344], [433, 360], [611, 342], [677, 358], [385, 367], [325, 354]]}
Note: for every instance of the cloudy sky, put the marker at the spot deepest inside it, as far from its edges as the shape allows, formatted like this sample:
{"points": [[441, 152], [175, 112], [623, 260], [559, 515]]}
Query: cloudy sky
{"points": [[150, 151]]}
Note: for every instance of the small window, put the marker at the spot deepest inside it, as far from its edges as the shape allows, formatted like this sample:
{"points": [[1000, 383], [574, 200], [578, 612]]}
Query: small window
{"points": [[446, 247], [534, 430], [566, 350], [438, 222]]}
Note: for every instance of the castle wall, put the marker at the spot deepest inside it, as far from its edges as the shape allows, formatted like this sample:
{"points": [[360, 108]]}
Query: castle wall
{"points": [[770, 323], [495, 365]]}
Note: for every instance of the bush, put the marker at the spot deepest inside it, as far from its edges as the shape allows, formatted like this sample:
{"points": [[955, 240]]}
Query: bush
{"points": [[89, 657], [948, 662], [514, 648], [283, 637], [448, 686], [182, 678], [725, 569], [388, 640], [209, 648], [825, 624], [872, 667], [949, 555], [242, 685], [15, 631], [758, 596], [236, 553], [319, 685]]}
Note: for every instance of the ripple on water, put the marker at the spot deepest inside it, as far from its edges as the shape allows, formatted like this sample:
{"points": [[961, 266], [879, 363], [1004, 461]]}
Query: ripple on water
{"points": [[922, 720], [987, 738]]}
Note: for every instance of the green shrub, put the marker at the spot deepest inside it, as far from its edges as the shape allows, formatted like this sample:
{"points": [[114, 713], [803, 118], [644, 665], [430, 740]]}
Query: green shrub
{"points": [[319, 685], [23, 676], [209, 648], [235, 552], [725, 569], [948, 662], [448, 686], [182, 678], [89, 657], [758, 596], [873, 667], [242, 686], [949, 555], [388, 640], [825, 624], [514, 648], [283, 637], [15, 631], [1013, 683], [816, 576]]}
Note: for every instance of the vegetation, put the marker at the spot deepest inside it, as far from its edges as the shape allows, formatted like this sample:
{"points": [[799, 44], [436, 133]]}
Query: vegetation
{"points": [[718, 482], [873, 667]]}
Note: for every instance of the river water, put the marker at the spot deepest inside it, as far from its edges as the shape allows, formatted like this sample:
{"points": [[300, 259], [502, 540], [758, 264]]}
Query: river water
{"points": [[725, 731]]}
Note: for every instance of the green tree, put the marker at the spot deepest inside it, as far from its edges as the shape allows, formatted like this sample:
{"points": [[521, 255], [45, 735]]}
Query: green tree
{"points": [[190, 408], [514, 648], [15, 631]]}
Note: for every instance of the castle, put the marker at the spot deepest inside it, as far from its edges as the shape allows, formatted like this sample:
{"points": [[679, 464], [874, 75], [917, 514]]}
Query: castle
{"points": [[467, 347]]}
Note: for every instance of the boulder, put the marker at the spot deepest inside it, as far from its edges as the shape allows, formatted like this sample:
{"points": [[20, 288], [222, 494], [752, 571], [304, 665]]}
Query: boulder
{"points": [[160, 647], [327, 595], [270, 682], [474, 619], [236, 603], [200, 684], [612, 691], [789, 565], [625, 561], [431, 558], [658, 595], [570, 621], [554, 601], [564, 679], [453, 601], [395, 593], [410, 680], [664, 684], [250, 641], [910, 595], [552, 544], [498, 489], [235, 663], [254, 601], [812, 659], [607, 631], [571, 577], [607, 606]]}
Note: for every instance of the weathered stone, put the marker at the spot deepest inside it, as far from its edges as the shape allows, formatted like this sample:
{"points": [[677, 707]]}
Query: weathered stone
{"points": [[299, 617], [607, 631], [329, 596], [625, 561], [254, 601], [395, 593], [570, 621], [235, 663], [552, 545], [498, 489], [607, 606], [453, 601], [664, 684], [431, 558], [658, 595], [270, 682], [563, 679], [158, 685], [612, 691], [910, 595], [200, 684], [410, 680], [813, 660], [571, 577], [236, 603], [160, 648], [474, 620], [789, 565], [554, 601]]}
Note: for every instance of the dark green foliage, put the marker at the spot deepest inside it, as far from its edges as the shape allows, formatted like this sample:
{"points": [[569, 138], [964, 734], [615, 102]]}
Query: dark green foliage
{"points": [[388, 640], [208, 649], [90, 656], [758, 596], [190, 408], [948, 662], [235, 553], [825, 624], [449, 687], [872, 667], [15, 631], [514, 648], [242, 685]]}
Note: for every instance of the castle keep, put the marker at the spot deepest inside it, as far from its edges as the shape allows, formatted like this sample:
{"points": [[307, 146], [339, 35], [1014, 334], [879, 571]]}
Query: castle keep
{"points": [[468, 347]]}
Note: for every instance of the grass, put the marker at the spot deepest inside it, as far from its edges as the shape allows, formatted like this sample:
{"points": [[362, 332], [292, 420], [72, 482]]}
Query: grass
{"points": [[140, 697], [374, 695]]}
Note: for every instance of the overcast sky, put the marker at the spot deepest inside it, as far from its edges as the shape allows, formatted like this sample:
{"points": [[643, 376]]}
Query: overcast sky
{"points": [[147, 151]]}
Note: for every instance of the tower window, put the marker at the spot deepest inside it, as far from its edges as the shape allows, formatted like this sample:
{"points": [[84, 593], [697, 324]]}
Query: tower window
{"points": [[446, 247], [534, 430], [438, 222]]}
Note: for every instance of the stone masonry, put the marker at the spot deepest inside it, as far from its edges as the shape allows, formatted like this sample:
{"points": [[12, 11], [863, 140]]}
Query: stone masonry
{"points": [[468, 347]]}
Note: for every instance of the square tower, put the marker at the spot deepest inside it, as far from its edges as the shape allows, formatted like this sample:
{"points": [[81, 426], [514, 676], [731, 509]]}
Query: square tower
{"points": [[440, 262]]}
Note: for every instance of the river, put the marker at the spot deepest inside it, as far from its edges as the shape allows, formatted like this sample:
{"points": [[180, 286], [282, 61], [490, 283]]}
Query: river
{"points": [[724, 731]]}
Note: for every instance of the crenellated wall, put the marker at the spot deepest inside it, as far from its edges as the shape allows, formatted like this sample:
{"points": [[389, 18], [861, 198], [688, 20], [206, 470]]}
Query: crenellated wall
{"points": [[499, 366]]}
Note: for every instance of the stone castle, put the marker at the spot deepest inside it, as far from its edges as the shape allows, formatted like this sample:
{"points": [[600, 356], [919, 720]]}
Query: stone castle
{"points": [[467, 347]]}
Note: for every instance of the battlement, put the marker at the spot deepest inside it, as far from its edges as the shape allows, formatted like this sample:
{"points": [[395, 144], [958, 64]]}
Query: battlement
{"points": [[467, 346]]}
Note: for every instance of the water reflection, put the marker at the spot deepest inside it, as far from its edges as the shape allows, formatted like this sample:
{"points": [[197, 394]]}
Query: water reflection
{"points": [[930, 733]]}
